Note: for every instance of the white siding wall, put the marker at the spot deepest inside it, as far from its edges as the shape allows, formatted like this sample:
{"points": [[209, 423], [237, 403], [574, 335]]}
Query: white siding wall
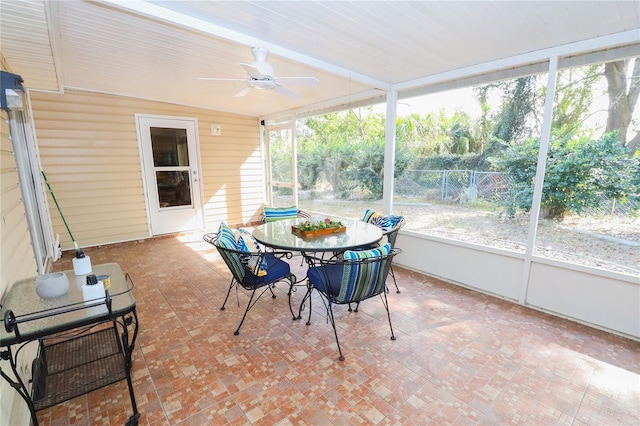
{"points": [[89, 152]]}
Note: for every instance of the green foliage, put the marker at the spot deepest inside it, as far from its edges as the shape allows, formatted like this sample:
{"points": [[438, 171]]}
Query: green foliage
{"points": [[512, 123], [578, 172], [344, 152], [325, 151], [368, 167], [347, 152], [461, 135], [281, 158]]}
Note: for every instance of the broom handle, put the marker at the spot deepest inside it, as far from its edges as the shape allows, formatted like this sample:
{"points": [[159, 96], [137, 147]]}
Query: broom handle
{"points": [[59, 210]]}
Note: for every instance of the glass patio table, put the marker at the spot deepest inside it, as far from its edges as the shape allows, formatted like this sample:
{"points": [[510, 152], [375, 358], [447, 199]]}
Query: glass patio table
{"points": [[278, 235]]}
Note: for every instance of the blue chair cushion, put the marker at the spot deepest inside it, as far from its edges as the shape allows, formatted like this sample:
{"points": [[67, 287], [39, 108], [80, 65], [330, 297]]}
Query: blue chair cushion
{"points": [[271, 214], [276, 269], [384, 222], [327, 279]]}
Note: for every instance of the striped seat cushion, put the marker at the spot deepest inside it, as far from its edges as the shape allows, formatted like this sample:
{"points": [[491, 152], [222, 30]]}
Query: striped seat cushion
{"points": [[227, 239], [271, 214]]}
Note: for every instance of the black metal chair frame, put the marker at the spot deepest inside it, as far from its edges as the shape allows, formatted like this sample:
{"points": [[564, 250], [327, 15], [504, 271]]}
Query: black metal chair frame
{"points": [[330, 299], [250, 281]]}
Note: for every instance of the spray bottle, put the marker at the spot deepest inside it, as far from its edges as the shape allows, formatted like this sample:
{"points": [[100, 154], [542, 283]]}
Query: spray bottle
{"points": [[81, 263]]}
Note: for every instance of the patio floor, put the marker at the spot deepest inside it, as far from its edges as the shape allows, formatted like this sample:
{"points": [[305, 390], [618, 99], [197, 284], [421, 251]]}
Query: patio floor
{"points": [[461, 357]]}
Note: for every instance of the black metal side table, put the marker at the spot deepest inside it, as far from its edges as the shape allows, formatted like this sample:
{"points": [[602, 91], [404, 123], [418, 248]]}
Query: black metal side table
{"points": [[82, 345]]}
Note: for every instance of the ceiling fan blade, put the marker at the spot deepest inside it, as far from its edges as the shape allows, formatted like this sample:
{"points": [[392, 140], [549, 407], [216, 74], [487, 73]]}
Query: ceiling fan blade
{"points": [[243, 92], [287, 92], [298, 81], [221, 79], [258, 69]]}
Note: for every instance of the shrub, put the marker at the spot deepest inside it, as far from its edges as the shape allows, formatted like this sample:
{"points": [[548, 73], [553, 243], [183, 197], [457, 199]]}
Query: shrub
{"points": [[578, 173]]}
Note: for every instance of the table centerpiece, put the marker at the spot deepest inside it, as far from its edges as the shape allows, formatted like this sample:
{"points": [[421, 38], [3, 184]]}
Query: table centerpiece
{"points": [[325, 226]]}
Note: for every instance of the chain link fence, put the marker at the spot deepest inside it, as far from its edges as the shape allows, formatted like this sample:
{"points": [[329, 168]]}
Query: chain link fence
{"points": [[613, 207], [453, 186], [471, 187]]}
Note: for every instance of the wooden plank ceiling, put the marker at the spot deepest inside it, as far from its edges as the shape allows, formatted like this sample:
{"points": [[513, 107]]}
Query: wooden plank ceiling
{"points": [[357, 49]]}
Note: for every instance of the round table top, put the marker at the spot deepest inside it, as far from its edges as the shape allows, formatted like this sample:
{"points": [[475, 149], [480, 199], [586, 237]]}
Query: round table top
{"points": [[278, 235]]}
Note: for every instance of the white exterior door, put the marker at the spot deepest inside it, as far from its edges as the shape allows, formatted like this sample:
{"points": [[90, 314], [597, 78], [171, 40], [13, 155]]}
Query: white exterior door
{"points": [[170, 158]]}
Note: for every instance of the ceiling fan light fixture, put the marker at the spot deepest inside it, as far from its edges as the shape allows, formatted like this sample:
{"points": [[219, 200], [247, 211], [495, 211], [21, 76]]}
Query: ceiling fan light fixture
{"points": [[265, 83]]}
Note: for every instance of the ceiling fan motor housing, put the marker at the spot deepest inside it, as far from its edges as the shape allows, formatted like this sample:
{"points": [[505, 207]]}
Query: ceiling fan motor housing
{"points": [[264, 82]]}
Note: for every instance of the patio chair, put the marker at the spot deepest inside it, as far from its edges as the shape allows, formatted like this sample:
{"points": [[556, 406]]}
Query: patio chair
{"points": [[359, 276], [390, 225], [255, 271]]}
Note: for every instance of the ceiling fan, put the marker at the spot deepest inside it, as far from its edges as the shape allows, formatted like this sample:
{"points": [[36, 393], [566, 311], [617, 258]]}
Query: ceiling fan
{"points": [[260, 76]]}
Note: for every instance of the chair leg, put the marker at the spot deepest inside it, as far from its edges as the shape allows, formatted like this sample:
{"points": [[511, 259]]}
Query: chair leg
{"points": [[308, 296], [235, 333], [231, 285], [289, 293], [394, 278], [250, 305], [335, 331], [383, 296]]}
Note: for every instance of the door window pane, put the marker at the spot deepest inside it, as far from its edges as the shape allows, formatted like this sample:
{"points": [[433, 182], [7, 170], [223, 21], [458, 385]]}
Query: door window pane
{"points": [[174, 188], [169, 147]]}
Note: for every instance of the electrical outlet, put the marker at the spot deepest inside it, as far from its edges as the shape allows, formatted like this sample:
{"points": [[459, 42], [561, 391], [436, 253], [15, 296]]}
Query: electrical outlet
{"points": [[216, 130]]}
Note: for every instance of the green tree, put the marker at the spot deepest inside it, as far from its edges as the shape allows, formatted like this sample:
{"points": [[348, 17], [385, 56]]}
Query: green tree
{"points": [[463, 141], [518, 99], [573, 97], [424, 135], [623, 100]]}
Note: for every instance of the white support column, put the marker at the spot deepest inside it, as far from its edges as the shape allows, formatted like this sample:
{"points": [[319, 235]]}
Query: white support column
{"points": [[294, 158], [266, 162], [545, 135], [389, 151]]}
